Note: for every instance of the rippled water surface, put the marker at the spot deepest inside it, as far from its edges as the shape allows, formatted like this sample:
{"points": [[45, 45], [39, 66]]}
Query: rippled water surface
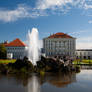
{"points": [[71, 82]]}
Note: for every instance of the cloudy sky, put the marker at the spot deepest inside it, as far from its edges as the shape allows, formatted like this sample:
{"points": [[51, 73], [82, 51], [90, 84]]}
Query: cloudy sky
{"points": [[73, 17]]}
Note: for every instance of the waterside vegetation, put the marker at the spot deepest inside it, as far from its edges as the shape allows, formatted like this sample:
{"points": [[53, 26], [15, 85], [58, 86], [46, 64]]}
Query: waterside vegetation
{"points": [[81, 62], [43, 66], [7, 61]]}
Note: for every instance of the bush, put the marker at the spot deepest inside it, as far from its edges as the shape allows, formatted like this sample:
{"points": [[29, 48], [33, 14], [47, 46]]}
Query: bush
{"points": [[21, 66], [3, 69], [3, 52]]}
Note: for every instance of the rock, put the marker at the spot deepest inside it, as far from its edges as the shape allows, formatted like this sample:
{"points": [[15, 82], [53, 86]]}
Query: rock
{"points": [[21, 66]]}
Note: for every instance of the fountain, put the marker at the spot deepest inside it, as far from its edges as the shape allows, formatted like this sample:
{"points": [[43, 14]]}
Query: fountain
{"points": [[33, 44]]}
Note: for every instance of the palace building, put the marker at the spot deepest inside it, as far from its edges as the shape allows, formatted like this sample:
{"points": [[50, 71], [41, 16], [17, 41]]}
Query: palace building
{"points": [[84, 53], [59, 44], [15, 49]]}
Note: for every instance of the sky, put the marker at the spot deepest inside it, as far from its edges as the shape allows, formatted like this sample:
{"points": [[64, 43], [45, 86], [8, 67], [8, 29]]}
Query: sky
{"points": [[73, 17]]}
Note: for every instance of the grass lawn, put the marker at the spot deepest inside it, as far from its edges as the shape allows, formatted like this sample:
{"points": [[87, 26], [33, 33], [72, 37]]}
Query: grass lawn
{"points": [[82, 62], [7, 61]]}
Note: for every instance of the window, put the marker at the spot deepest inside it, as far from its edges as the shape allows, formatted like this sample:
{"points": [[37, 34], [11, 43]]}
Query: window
{"points": [[88, 57], [84, 57], [77, 57]]}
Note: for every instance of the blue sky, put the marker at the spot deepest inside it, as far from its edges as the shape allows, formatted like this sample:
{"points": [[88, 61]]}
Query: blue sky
{"points": [[73, 17]]}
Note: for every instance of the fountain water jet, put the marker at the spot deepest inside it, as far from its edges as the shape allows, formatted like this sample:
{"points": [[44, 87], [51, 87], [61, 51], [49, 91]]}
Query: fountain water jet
{"points": [[33, 48]]}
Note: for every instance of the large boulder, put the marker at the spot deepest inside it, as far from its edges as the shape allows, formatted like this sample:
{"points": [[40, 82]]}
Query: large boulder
{"points": [[49, 64], [20, 66]]}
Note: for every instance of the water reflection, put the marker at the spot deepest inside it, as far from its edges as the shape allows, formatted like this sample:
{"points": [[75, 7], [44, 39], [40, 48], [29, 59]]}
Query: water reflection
{"points": [[33, 84], [51, 82], [11, 84], [59, 80]]}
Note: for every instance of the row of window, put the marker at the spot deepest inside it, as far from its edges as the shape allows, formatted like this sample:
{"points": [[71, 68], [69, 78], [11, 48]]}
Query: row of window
{"points": [[17, 56], [15, 48], [57, 42], [83, 53], [83, 57], [60, 53], [17, 53], [58, 48]]}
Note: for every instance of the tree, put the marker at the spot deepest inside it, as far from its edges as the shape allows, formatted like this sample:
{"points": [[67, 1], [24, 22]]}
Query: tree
{"points": [[3, 52]]}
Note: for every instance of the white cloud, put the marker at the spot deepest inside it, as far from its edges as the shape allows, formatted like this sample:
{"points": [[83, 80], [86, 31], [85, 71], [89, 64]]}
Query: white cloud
{"points": [[90, 21], [20, 12], [12, 15], [46, 4], [55, 7], [77, 33], [87, 6], [63, 6], [84, 43], [54, 4], [60, 4], [83, 39]]}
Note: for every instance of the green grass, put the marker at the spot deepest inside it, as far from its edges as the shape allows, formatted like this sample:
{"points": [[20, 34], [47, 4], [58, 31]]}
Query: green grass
{"points": [[82, 62], [7, 61]]}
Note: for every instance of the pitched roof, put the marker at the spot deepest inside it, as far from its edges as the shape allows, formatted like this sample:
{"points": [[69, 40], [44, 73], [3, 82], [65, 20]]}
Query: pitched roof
{"points": [[15, 43], [60, 35]]}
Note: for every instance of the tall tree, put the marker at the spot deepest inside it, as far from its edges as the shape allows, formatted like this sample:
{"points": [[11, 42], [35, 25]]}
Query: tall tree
{"points": [[3, 52]]}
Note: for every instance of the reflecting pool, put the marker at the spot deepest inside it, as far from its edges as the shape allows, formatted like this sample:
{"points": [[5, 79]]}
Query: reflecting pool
{"points": [[65, 82]]}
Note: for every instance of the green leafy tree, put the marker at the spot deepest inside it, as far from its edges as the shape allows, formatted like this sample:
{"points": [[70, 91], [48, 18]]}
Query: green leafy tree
{"points": [[3, 52]]}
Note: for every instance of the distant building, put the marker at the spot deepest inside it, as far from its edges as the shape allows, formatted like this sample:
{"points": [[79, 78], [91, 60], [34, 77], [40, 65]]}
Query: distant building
{"points": [[9, 55], [59, 44], [84, 53], [15, 49], [43, 52]]}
